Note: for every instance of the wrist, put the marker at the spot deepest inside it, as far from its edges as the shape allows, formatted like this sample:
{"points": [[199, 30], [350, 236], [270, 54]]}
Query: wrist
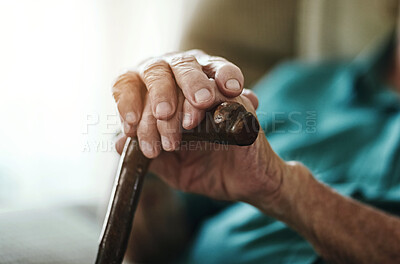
{"points": [[282, 203]]}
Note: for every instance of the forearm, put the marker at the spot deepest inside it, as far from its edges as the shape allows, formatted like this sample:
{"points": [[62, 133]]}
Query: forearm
{"points": [[341, 230], [160, 228]]}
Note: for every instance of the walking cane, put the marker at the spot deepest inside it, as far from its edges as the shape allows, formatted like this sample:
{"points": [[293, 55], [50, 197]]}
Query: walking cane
{"points": [[228, 123]]}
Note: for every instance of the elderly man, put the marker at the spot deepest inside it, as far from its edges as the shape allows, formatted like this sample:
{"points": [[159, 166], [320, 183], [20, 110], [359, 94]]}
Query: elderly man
{"points": [[338, 202]]}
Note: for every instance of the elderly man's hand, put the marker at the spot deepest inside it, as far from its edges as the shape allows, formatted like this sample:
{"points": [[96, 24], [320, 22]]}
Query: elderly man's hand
{"points": [[174, 90]]}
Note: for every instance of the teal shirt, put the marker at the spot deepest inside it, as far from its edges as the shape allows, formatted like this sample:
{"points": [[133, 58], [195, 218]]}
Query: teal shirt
{"points": [[339, 119]]}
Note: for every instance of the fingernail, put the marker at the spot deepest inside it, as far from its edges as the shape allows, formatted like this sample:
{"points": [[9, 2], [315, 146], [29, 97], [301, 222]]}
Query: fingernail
{"points": [[130, 117], [163, 109], [127, 127], [166, 143], [146, 147], [232, 84], [187, 120], [202, 95]]}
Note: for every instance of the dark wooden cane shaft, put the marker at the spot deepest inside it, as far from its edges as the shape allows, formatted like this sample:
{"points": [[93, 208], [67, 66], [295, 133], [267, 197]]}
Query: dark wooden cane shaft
{"points": [[228, 123], [123, 202]]}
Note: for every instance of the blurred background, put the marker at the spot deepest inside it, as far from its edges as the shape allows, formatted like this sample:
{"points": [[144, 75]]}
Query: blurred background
{"points": [[58, 63], [58, 60]]}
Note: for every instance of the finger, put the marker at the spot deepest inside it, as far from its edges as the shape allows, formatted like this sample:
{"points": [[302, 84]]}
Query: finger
{"points": [[228, 76], [128, 129], [170, 130], [249, 94], [129, 120], [128, 93], [191, 115], [120, 143], [149, 139], [193, 82], [157, 76], [248, 100]]}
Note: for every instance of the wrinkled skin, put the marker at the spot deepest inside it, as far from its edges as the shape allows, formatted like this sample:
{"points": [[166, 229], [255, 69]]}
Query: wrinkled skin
{"points": [[221, 172]]}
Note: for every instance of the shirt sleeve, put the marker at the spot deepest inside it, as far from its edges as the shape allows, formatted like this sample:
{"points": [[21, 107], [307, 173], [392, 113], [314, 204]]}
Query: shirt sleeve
{"points": [[199, 207]]}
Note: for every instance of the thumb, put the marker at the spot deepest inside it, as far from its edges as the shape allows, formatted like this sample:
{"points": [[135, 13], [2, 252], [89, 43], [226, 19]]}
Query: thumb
{"points": [[249, 94]]}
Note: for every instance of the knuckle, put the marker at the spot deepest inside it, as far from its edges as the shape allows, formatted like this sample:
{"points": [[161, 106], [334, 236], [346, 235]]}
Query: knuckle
{"points": [[188, 73], [229, 69], [212, 64], [161, 124], [123, 82], [143, 132], [140, 134], [184, 60], [116, 93], [161, 128], [147, 119], [147, 125], [154, 66], [236, 69], [126, 78], [216, 59], [155, 69]]}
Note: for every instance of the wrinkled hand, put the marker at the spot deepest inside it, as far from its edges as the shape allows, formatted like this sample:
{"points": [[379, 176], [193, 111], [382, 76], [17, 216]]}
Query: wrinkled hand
{"points": [[173, 91]]}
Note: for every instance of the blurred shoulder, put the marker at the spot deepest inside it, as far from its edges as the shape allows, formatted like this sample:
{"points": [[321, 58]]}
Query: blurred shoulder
{"points": [[299, 76]]}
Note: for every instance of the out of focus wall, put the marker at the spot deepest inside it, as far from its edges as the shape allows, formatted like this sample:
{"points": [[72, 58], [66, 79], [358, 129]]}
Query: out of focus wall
{"points": [[257, 34], [58, 60], [342, 28], [253, 34]]}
